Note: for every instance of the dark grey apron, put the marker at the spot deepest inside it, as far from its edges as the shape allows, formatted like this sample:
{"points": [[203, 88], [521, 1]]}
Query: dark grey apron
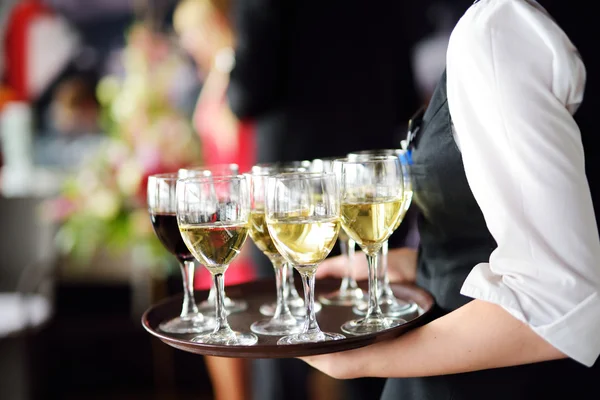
{"points": [[454, 238]]}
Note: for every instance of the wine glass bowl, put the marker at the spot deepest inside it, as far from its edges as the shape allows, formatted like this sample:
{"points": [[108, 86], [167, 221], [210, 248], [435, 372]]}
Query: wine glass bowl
{"points": [[213, 214], [162, 208], [212, 170], [303, 219]]}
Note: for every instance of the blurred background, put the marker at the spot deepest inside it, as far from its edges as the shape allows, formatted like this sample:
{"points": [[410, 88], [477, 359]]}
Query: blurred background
{"points": [[96, 95]]}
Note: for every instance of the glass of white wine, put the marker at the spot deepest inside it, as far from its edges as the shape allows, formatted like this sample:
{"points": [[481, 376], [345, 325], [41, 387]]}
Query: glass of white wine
{"points": [[389, 303], [208, 306], [291, 296], [213, 214], [283, 322], [349, 294], [372, 199], [303, 218], [162, 207]]}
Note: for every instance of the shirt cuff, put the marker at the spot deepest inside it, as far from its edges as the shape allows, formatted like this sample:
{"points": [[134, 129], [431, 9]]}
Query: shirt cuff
{"points": [[575, 333]]}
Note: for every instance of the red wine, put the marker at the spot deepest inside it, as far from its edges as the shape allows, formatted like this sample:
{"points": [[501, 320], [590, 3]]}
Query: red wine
{"points": [[165, 227]]}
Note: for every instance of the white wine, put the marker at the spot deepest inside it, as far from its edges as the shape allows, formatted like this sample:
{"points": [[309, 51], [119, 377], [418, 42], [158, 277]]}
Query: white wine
{"points": [[372, 223], [259, 232], [215, 246], [406, 200], [304, 242]]}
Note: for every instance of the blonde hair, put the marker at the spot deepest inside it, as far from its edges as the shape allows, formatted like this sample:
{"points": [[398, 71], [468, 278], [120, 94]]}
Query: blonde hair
{"points": [[190, 13]]}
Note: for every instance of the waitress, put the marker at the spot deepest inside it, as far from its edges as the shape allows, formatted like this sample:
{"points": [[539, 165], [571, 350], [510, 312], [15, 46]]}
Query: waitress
{"points": [[509, 239]]}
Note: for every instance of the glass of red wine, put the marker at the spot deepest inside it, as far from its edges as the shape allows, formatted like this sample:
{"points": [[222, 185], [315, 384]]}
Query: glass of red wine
{"points": [[207, 307], [162, 207]]}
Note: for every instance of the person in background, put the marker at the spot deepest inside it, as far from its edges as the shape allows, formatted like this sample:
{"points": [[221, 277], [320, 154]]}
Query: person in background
{"points": [[322, 79], [205, 33], [74, 109]]}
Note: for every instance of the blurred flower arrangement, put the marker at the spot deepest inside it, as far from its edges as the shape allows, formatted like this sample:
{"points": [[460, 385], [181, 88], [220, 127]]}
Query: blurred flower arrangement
{"points": [[103, 206]]}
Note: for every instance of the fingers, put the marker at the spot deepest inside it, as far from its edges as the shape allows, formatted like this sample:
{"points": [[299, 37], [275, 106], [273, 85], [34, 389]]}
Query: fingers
{"points": [[337, 267], [333, 365], [401, 266], [334, 267]]}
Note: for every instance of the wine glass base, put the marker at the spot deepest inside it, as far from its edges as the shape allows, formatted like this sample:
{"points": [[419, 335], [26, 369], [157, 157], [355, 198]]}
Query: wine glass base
{"points": [[194, 324], [314, 337], [277, 327], [268, 309], [232, 306], [227, 338], [397, 308], [295, 301], [347, 298], [365, 326]]}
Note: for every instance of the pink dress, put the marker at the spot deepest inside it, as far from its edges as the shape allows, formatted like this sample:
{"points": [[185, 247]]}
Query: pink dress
{"points": [[241, 269]]}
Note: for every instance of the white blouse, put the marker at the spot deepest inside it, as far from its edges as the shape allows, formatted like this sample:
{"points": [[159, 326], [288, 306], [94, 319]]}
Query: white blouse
{"points": [[514, 80]]}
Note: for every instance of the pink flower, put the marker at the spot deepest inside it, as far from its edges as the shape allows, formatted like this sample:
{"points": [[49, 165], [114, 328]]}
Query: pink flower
{"points": [[59, 209], [149, 158]]}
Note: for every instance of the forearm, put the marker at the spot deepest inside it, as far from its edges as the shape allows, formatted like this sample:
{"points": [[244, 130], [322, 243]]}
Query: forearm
{"points": [[477, 336]]}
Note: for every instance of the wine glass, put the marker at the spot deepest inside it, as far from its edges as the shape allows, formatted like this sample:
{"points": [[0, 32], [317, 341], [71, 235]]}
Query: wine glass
{"points": [[208, 305], [162, 207], [389, 303], [292, 298], [214, 170], [371, 197], [349, 293], [303, 218], [282, 322], [290, 166], [212, 214]]}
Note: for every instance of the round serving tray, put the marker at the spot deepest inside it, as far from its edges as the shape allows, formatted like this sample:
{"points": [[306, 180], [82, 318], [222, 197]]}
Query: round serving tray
{"points": [[330, 319]]}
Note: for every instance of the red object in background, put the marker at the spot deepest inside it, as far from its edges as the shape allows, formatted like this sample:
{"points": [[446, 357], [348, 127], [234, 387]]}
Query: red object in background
{"points": [[22, 16], [6, 96], [208, 130], [205, 120]]}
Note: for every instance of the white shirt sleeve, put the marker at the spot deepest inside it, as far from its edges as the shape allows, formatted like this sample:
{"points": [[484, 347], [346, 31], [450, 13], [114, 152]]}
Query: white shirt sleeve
{"points": [[513, 81]]}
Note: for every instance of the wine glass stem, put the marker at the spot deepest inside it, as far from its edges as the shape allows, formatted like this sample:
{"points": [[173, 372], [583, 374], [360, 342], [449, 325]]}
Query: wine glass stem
{"points": [[310, 321], [220, 311], [189, 304], [374, 311], [347, 251], [289, 287], [386, 290], [212, 293], [351, 251], [282, 309]]}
